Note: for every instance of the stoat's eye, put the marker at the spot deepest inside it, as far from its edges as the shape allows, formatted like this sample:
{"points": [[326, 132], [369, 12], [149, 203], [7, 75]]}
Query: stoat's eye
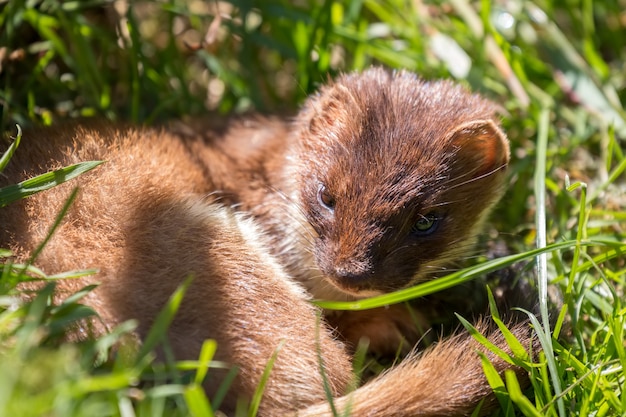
{"points": [[425, 225], [325, 198]]}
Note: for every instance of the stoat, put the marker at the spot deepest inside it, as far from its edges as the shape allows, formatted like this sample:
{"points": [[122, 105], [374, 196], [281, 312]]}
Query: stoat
{"points": [[379, 182]]}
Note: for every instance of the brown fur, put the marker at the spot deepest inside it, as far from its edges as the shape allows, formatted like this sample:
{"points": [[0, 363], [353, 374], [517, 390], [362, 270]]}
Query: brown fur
{"points": [[243, 208]]}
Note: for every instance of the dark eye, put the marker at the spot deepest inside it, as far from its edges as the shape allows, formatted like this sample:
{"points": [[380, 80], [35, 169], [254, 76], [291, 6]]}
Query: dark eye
{"points": [[425, 225], [325, 198]]}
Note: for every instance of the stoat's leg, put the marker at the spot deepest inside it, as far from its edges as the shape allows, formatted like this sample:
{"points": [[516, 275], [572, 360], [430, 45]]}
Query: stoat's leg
{"points": [[239, 296], [447, 380]]}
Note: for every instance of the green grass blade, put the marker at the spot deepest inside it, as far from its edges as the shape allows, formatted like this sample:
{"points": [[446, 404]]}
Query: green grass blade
{"points": [[545, 340], [540, 217], [515, 393], [162, 322], [6, 156], [225, 385], [197, 402], [542, 260], [326, 384], [104, 343], [118, 380], [72, 274], [55, 225], [519, 351], [448, 281], [495, 382], [480, 338], [260, 388], [43, 182], [209, 347], [28, 335]]}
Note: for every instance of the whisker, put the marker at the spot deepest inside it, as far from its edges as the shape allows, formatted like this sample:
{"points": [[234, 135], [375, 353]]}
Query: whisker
{"points": [[485, 175]]}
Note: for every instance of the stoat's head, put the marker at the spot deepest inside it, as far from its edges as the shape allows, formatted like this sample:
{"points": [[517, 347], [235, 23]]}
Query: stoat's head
{"points": [[395, 176]]}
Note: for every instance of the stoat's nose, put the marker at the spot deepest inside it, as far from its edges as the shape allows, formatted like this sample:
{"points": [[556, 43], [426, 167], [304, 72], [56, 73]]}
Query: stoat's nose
{"points": [[353, 275]]}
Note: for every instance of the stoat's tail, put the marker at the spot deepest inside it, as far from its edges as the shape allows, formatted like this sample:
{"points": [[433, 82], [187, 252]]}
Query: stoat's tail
{"points": [[446, 380]]}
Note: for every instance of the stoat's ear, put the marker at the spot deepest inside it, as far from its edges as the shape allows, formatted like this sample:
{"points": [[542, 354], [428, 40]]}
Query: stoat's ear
{"points": [[329, 110], [481, 147]]}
